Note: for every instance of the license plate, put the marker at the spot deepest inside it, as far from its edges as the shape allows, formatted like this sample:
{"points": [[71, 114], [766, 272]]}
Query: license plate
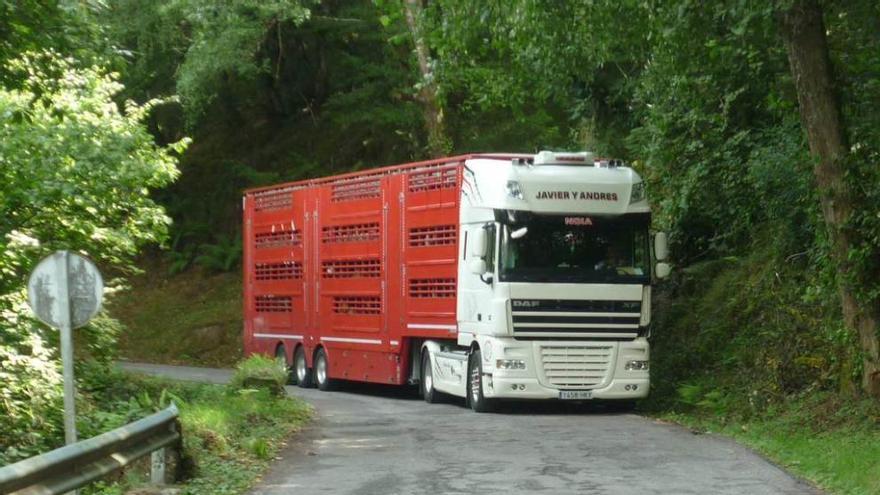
{"points": [[575, 394]]}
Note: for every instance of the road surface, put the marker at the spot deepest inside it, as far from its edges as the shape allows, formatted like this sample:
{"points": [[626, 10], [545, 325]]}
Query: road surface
{"points": [[379, 440]]}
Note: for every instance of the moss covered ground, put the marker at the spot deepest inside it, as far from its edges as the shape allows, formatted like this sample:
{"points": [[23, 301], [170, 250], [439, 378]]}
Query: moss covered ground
{"points": [[192, 318]]}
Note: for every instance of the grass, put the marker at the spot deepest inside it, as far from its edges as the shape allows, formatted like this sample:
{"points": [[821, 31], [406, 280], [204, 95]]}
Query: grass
{"points": [[232, 437], [230, 434], [832, 443], [260, 371], [192, 318]]}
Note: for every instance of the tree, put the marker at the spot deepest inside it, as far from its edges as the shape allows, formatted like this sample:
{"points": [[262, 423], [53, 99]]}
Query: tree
{"points": [[76, 172], [804, 33], [429, 91]]}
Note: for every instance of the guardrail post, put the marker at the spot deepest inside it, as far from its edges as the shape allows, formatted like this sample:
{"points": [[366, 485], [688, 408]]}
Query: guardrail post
{"points": [[76, 465], [157, 467]]}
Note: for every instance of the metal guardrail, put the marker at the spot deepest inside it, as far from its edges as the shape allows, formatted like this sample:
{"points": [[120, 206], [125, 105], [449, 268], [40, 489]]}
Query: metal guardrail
{"points": [[81, 463]]}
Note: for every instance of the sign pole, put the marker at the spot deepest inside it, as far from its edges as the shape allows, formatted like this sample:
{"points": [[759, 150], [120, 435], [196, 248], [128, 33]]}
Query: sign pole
{"points": [[64, 324], [65, 292]]}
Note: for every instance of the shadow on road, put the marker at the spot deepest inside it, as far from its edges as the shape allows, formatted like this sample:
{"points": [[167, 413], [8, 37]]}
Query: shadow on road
{"points": [[410, 394]]}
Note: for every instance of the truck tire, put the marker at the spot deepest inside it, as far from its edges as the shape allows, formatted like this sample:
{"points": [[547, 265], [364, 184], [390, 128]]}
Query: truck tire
{"points": [[322, 371], [429, 393], [301, 369], [475, 397], [281, 355]]}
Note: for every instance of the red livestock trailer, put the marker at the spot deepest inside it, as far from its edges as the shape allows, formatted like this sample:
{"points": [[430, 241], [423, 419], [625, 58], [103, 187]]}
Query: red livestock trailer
{"points": [[353, 266]]}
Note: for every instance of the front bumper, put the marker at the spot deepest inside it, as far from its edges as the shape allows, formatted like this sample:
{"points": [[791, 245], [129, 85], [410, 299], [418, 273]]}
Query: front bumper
{"points": [[548, 364], [529, 388]]}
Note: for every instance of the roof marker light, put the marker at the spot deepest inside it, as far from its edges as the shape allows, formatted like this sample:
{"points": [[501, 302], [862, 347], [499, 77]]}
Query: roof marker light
{"points": [[514, 189], [638, 193], [564, 158]]}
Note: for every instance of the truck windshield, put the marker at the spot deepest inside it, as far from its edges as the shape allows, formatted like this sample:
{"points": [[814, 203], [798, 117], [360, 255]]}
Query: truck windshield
{"points": [[556, 248]]}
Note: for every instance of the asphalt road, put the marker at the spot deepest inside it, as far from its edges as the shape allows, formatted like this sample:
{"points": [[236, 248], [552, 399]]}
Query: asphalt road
{"points": [[379, 440]]}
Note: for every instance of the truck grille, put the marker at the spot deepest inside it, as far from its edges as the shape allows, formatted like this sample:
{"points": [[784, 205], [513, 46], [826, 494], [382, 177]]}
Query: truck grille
{"points": [[554, 319], [574, 367]]}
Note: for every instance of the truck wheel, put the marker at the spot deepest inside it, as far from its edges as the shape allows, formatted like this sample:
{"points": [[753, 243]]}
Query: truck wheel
{"points": [[429, 393], [303, 373], [281, 355], [322, 371], [476, 400]]}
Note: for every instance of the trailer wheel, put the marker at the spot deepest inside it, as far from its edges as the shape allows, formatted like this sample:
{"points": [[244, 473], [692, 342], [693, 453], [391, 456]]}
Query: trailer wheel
{"points": [[303, 373], [322, 371], [429, 393], [475, 397], [281, 355]]}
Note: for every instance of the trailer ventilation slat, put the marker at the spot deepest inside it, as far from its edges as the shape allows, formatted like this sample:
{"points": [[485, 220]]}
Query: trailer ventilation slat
{"points": [[277, 238], [357, 305], [432, 179], [273, 200], [359, 232], [356, 188], [285, 270], [351, 268], [273, 304], [436, 235], [432, 287]]}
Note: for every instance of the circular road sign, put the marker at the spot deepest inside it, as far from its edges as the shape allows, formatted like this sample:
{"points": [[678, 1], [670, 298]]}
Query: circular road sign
{"points": [[65, 275]]}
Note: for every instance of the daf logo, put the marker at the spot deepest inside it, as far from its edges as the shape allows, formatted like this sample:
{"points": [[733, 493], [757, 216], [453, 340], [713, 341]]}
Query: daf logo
{"points": [[526, 304]]}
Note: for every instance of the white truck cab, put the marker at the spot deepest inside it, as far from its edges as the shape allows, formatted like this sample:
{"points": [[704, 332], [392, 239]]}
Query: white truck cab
{"points": [[555, 264]]}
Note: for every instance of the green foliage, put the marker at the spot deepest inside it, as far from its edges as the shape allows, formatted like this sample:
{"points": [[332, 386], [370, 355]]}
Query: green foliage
{"points": [[229, 435], [38, 25], [202, 45], [831, 441], [192, 318], [75, 173], [260, 371], [221, 257], [225, 39], [324, 93], [736, 336]]}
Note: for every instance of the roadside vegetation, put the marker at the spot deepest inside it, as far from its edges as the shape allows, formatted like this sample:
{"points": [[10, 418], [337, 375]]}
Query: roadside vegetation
{"points": [[744, 349], [834, 444], [230, 433], [193, 318]]}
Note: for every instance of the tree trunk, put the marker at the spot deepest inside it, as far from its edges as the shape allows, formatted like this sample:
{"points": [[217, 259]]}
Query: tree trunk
{"points": [[438, 142], [804, 32]]}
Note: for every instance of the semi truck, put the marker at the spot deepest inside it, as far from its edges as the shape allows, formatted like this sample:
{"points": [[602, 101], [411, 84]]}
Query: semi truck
{"points": [[482, 276]]}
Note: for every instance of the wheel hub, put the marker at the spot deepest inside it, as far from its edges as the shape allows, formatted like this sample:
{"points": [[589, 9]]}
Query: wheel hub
{"points": [[429, 379], [300, 368], [322, 370], [475, 383]]}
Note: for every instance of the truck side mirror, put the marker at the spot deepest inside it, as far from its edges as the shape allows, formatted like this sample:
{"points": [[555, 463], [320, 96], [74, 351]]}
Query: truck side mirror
{"points": [[662, 270], [661, 246], [477, 266], [478, 244]]}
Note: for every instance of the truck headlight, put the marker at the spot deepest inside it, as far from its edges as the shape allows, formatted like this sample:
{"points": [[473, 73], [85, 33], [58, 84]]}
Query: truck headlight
{"points": [[638, 193], [510, 364], [636, 366]]}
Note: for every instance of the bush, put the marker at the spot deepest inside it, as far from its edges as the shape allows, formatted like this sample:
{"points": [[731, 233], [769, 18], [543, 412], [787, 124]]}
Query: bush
{"points": [[259, 371], [735, 336], [76, 172]]}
